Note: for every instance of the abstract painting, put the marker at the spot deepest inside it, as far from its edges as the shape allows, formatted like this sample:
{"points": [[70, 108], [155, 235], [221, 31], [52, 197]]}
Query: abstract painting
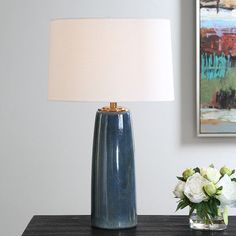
{"points": [[216, 67]]}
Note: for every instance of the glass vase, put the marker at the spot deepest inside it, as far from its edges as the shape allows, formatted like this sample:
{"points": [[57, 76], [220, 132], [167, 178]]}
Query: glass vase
{"points": [[215, 224]]}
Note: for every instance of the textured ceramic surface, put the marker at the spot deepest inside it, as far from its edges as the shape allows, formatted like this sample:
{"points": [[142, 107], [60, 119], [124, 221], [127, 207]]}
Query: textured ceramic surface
{"points": [[113, 172]]}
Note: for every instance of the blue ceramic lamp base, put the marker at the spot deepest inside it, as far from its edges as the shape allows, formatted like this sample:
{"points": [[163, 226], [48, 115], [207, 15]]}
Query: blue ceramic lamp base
{"points": [[113, 174]]}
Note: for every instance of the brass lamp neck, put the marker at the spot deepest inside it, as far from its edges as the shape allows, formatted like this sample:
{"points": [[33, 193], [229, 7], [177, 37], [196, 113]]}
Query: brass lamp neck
{"points": [[113, 105], [113, 108]]}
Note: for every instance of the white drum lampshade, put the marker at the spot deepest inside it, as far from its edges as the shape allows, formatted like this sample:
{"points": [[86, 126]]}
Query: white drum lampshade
{"points": [[110, 60]]}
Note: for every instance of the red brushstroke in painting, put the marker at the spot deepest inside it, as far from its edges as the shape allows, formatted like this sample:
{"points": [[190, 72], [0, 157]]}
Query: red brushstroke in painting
{"points": [[218, 41]]}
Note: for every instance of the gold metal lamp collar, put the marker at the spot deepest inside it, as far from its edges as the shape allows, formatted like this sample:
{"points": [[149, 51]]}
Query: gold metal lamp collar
{"points": [[113, 108]]}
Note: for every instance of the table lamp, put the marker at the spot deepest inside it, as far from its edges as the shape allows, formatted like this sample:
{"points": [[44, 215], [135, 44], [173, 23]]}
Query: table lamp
{"points": [[111, 60]]}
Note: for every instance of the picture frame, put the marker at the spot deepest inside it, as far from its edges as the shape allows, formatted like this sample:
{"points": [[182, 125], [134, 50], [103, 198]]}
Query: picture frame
{"points": [[216, 68]]}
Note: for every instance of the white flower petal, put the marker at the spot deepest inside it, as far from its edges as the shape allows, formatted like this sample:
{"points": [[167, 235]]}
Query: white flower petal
{"points": [[228, 195], [194, 188], [179, 189], [213, 174]]}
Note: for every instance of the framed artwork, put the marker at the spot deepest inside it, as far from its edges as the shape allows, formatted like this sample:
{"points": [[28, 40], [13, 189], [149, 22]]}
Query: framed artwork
{"points": [[216, 68]]}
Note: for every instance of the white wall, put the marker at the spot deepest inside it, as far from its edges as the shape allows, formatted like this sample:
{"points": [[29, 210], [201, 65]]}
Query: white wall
{"points": [[45, 152]]}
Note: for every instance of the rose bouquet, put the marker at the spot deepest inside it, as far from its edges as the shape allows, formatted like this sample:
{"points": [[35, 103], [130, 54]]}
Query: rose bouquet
{"points": [[208, 192]]}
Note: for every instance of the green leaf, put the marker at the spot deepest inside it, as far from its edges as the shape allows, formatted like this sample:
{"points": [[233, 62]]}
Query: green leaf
{"points": [[220, 188], [197, 170], [234, 179], [199, 209], [212, 166], [184, 205], [181, 178], [191, 210], [179, 205], [217, 201], [211, 209], [233, 171]]}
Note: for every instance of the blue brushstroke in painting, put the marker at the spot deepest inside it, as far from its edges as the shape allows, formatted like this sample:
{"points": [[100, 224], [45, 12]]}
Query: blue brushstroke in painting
{"points": [[214, 66]]}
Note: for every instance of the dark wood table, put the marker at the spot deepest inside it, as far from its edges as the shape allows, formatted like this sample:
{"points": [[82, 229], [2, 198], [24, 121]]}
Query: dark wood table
{"points": [[147, 225]]}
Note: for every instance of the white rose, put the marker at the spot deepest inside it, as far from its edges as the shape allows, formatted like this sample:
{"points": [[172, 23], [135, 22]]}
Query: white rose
{"points": [[228, 195], [194, 188], [179, 189], [213, 174]]}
